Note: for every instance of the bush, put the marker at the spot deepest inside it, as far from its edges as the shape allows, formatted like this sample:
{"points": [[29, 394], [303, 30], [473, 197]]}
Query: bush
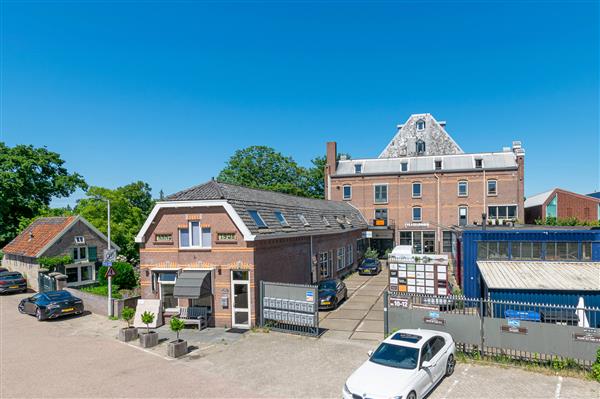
{"points": [[51, 263], [596, 367], [125, 278], [371, 253], [147, 319], [176, 325]]}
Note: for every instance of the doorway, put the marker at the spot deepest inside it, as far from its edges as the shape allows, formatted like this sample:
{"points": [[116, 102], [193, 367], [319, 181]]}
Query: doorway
{"points": [[240, 288]]}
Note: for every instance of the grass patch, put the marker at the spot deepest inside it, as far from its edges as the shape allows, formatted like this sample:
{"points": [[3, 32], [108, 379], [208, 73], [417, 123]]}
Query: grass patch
{"points": [[102, 290]]}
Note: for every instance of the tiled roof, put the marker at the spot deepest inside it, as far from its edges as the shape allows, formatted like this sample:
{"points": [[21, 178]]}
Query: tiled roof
{"points": [[340, 216], [37, 235]]}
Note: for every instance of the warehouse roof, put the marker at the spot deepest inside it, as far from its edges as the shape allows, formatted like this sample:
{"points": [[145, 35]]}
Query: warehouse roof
{"points": [[538, 275], [426, 164]]}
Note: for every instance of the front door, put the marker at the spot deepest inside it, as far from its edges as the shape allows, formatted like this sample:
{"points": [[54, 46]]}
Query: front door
{"points": [[240, 287]]}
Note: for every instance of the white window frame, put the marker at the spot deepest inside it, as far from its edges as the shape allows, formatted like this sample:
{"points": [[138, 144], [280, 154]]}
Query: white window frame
{"points": [[78, 259], [435, 161], [475, 163], [466, 215], [420, 121], [79, 240], [412, 189], [360, 165], [498, 206], [413, 214], [341, 258], [303, 220], [189, 228], [349, 197], [349, 255], [407, 166], [466, 182], [79, 280], [488, 187], [325, 221], [387, 193]]}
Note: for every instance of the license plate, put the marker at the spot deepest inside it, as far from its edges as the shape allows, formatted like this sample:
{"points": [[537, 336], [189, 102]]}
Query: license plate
{"points": [[13, 286], [67, 310], [326, 303]]}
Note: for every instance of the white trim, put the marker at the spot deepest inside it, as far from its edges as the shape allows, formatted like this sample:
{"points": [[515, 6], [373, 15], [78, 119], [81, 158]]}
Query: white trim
{"points": [[190, 239], [412, 189], [233, 308], [458, 194], [413, 214], [487, 186], [248, 236], [344, 193], [387, 193]]}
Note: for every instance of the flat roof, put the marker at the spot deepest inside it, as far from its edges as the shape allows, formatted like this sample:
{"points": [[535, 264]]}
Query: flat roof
{"points": [[541, 275]]}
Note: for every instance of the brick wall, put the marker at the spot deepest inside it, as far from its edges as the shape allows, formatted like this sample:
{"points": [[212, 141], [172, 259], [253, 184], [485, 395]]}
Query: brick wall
{"points": [[25, 265], [65, 244], [574, 205]]}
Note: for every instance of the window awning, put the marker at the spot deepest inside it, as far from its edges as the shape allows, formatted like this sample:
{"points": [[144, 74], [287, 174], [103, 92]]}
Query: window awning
{"points": [[193, 284]]}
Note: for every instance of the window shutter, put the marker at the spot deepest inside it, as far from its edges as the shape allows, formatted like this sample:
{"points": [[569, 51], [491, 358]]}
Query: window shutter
{"points": [[92, 254]]}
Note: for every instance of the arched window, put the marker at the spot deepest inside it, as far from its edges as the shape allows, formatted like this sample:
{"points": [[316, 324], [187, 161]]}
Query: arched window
{"points": [[420, 124], [420, 147]]}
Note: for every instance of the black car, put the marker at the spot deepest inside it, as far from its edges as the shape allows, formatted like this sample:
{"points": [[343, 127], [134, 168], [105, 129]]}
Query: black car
{"points": [[331, 293], [369, 266], [12, 282], [51, 304], [3, 269]]}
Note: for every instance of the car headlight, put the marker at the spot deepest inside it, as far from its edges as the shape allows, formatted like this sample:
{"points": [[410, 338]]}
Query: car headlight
{"points": [[53, 306], [346, 390], [396, 397]]}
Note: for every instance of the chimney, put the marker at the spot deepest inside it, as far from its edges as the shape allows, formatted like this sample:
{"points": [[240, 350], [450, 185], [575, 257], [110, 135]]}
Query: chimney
{"points": [[330, 166]]}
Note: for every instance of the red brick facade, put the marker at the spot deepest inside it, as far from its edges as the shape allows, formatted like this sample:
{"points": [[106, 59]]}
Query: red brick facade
{"points": [[568, 205]]}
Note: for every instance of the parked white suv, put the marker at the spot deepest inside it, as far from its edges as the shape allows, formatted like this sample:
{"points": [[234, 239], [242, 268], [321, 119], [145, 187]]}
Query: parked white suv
{"points": [[406, 365]]}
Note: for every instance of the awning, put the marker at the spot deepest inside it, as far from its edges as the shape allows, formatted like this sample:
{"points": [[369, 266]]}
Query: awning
{"points": [[193, 284]]}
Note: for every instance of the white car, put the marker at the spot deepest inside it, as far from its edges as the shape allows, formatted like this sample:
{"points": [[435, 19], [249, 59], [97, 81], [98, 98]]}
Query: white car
{"points": [[406, 365]]}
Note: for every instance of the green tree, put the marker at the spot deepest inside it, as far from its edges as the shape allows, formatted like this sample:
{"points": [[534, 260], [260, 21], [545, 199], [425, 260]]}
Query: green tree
{"points": [[263, 167], [147, 319], [126, 278], [176, 325], [127, 314], [129, 207], [315, 176], [29, 178]]}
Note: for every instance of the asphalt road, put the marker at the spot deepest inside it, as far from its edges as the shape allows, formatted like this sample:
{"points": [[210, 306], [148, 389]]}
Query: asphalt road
{"points": [[80, 358]]}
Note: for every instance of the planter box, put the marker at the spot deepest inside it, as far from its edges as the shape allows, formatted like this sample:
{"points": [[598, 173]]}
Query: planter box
{"points": [[148, 340], [128, 334], [177, 348]]}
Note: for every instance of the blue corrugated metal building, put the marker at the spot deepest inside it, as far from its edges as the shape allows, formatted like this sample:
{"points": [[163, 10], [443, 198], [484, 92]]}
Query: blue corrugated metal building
{"points": [[533, 243]]}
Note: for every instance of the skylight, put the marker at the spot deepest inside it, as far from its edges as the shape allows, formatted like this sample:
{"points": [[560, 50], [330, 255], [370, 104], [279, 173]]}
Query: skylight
{"points": [[281, 219], [326, 222], [257, 219], [303, 220], [413, 339]]}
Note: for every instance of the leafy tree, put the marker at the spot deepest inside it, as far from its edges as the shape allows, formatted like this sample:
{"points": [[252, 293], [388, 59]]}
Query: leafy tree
{"points": [[125, 278], [262, 167], [127, 314], [315, 176], [129, 207], [176, 325], [29, 178], [147, 319]]}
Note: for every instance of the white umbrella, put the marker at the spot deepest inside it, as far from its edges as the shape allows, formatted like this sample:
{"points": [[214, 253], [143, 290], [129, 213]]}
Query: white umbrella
{"points": [[583, 321]]}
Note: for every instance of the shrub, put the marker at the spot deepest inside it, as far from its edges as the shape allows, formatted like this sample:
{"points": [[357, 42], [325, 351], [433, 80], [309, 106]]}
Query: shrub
{"points": [[176, 325], [51, 263], [125, 278], [102, 290], [147, 319], [371, 253], [596, 367], [127, 314]]}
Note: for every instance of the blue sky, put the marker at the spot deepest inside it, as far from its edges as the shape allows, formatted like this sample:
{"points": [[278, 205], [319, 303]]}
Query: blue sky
{"points": [[166, 91]]}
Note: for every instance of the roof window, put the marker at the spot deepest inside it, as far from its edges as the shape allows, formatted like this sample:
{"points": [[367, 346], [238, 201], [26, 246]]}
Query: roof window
{"points": [[281, 219], [257, 219], [303, 220]]}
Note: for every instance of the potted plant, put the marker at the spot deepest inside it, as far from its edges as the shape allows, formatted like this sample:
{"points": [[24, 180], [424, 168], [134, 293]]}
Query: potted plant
{"points": [[179, 346], [128, 333], [149, 338]]}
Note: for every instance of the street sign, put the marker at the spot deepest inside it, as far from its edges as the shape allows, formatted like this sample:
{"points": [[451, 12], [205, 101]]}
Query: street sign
{"points": [[107, 264], [110, 255], [110, 272]]}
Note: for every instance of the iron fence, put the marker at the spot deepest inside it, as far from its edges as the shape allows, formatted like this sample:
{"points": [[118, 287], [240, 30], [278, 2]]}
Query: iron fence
{"points": [[505, 329], [291, 308]]}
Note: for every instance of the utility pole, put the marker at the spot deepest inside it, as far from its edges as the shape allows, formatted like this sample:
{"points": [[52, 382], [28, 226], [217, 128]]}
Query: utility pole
{"points": [[110, 301]]}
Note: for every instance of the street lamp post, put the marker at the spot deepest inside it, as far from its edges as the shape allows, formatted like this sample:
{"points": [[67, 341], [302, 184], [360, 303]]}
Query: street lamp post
{"points": [[110, 307]]}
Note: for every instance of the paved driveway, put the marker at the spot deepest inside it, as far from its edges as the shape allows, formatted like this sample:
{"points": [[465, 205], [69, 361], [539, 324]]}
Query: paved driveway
{"points": [[80, 358], [361, 316]]}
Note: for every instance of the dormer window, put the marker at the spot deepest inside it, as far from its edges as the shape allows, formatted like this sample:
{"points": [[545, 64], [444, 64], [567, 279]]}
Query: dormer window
{"points": [[420, 125], [420, 147], [357, 168], [479, 163], [438, 165], [404, 167]]}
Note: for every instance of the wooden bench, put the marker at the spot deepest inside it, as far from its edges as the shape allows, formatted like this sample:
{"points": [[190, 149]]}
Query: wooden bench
{"points": [[194, 315]]}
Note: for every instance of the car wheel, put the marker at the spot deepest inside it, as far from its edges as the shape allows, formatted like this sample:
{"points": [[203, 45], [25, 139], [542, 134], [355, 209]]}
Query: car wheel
{"points": [[38, 314], [21, 308], [450, 365], [412, 395]]}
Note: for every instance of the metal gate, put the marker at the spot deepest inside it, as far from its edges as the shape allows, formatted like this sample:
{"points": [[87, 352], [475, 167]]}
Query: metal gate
{"points": [[46, 282], [289, 308]]}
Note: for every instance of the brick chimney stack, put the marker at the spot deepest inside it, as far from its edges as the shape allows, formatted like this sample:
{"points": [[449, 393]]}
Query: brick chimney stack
{"points": [[330, 166]]}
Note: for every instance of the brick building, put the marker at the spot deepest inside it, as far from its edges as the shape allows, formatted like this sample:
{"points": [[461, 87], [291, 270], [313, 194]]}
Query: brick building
{"points": [[561, 204], [423, 184], [228, 238]]}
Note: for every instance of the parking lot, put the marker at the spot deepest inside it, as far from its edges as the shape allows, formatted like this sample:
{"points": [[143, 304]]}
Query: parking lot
{"points": [[80, 358]]}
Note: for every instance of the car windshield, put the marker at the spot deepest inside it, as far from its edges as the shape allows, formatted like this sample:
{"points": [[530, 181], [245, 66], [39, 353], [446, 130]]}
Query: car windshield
{"points": [[401, 357], [58, 295], [327, 285], [9, 276], [370, 261]]}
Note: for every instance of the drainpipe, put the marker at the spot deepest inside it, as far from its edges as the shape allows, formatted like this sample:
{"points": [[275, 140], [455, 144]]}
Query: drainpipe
{"points": [[485, 194], [313, 277], [439, 232]]}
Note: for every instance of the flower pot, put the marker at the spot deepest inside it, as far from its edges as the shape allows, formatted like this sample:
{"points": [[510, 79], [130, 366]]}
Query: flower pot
{"points": [[177, 348], [148, 339], [128, 334]]}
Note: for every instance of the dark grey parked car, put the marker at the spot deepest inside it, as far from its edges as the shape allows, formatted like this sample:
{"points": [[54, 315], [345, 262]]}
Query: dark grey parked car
{"points": [[51, 304], [12, 282], [331, 293]]}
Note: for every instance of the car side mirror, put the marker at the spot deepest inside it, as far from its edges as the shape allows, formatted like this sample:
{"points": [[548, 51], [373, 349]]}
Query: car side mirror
{"points": [[426, 364], [370, 353]]}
